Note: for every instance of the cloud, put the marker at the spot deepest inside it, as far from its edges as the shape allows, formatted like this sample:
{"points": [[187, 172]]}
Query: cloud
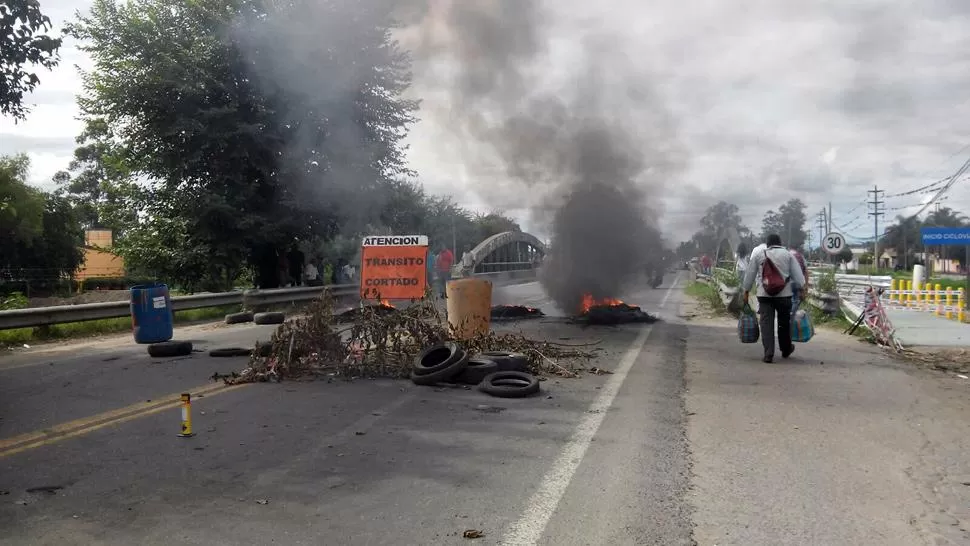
{"points": [[759, 92]]}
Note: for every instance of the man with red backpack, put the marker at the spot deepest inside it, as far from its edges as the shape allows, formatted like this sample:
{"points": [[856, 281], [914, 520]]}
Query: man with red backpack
{"points": [[779, 276]]}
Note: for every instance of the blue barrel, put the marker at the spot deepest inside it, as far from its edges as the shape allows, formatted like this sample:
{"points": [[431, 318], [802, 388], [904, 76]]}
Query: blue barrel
{"points": [[151, 313]]}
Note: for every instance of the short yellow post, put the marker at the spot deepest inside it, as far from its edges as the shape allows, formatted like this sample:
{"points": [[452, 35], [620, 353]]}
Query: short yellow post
{"points": [[469, 307], [937, 299], [949, 303], [187, 416], [894, 294], [960, 305], [909, 292]]}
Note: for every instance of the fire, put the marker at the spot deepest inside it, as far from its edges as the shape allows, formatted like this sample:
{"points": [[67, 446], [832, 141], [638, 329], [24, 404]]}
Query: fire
{"points": [[589, 301], [386, 303]]}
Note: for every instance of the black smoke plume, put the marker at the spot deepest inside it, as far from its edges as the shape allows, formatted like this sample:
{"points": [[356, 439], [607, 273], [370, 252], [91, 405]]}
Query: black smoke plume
{"points": [[552, 113]]}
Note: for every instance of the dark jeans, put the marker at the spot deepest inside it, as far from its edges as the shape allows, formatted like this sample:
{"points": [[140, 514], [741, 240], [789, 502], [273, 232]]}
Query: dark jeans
{"points": [[767, 307], [443, 278]]}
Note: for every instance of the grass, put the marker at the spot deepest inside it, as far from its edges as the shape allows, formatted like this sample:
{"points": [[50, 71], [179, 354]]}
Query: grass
{"points": [[91, 328], [706, 294]]}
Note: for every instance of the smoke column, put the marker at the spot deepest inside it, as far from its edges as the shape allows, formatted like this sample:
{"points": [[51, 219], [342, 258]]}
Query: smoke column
{"points": [[550, 110]]}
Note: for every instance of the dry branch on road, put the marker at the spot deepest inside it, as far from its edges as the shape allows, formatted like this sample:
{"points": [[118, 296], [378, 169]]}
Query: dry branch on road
{"points": [[378, 343]]}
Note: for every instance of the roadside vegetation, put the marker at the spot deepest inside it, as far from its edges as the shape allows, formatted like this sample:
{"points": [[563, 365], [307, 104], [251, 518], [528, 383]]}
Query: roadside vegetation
{"points": [[93, 328]]}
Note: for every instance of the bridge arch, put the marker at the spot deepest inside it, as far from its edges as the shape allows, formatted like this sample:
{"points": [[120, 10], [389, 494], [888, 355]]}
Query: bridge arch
{"points": [[508, 251]]}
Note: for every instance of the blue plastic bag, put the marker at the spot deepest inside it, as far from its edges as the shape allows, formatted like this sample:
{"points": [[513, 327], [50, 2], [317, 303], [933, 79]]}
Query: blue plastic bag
{"points": [[748, 330], [801, 326]]}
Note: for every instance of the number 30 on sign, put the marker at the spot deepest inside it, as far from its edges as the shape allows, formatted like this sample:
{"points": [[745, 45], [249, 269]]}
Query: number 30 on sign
{"points": [[833, 243]]}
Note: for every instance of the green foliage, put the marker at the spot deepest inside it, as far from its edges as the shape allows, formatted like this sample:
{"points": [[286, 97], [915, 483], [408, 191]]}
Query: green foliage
{"points": [[825, 281], [788, 222], [24, 41], [727, 277], [247, 143], [15, 300], [42, 237], [706, 294], [104, 326]]}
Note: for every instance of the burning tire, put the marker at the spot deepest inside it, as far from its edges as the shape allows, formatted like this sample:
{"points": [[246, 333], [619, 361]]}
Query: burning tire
{"points": [[269, 318], [510, 384], [452, 368], [507, 361], [169, 349], [239, 318], [230, 352], [477, 370], [437, 357]]}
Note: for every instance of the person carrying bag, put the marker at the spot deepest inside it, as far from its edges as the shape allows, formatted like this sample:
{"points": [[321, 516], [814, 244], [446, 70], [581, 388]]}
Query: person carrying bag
{"points": [[748, 330], [779, 276]]}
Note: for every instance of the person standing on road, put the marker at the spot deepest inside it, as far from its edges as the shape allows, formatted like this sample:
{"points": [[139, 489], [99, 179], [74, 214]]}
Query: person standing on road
{"points": [[741, 267], [779, 302], [799, 291], [443, 265]]}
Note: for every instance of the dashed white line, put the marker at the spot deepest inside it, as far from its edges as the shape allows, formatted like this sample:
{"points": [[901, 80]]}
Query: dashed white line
{"points": [[531, 525]]}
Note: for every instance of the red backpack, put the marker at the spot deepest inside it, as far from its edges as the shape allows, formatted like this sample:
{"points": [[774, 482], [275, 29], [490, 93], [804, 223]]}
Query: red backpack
{"points": [[771, 279]]}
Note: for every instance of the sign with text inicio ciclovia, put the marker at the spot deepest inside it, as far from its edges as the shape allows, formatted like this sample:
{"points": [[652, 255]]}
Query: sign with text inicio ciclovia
{"points": [[833, 243], [945, 235], [394, 267]]}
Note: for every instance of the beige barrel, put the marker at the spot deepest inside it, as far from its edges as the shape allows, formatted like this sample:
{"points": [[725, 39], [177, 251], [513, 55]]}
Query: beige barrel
{"points": [[469, 306]]}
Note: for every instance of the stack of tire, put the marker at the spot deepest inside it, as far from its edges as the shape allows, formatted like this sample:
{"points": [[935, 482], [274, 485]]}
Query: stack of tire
{"points": [[497, 373]]}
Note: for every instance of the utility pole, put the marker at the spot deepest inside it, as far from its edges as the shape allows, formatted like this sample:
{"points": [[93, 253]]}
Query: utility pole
{"points": [[876, 212], [828, 222], [820, 224]]}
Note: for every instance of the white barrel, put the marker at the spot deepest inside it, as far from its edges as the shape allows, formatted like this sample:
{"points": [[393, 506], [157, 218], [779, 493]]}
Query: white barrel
{"points": [[919, 275]]}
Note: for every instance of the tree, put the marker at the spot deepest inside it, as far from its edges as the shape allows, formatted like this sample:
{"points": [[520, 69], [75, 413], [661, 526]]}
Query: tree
{"points": [[102, 188], [250, 127], [905, 238], [845, 255], [40, 236], [788, 222], [23, 41], [716, 223]]}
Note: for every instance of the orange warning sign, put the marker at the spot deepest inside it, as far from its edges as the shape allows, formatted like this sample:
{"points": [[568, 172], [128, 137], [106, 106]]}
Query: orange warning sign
{"points": [[394, 267]]}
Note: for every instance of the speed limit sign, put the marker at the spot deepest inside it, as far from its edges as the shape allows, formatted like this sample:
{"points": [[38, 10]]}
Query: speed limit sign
{"points": [[833, 243]]}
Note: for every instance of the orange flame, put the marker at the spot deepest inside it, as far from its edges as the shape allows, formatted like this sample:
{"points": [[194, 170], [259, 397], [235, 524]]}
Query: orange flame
{"points": [[387, 303], [589, 301]]}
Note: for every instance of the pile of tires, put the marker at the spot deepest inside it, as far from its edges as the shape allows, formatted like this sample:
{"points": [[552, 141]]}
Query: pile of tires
{"points": [[501, 374]]}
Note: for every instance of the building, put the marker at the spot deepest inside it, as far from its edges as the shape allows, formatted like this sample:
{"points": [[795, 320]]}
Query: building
{"points": [[99, 261]]}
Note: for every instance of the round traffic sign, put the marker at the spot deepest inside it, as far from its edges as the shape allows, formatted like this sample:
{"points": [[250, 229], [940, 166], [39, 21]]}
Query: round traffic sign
{"points": [[833, 243]]}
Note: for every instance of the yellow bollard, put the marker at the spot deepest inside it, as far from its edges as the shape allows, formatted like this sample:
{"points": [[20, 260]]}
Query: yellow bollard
{"points": [[949, 303], [960, 305], [937, 299], [894, 293], [469, 307], [187, 416], [909, 292]]}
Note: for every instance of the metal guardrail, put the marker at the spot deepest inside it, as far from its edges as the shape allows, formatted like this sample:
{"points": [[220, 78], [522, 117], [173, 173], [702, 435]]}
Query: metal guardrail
{"points": [[249, 299], [828, 303]]}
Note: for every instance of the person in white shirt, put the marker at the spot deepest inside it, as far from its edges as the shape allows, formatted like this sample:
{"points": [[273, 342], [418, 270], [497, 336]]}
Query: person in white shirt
{"points": [[311, 274], [771, 304]]}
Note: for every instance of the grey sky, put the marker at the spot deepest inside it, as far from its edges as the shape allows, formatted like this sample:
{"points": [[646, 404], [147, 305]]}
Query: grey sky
{"points": [[815, 99]]}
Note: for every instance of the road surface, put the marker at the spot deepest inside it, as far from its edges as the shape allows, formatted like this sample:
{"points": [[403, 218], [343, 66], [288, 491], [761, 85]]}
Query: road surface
{"points": [[691, 440]]}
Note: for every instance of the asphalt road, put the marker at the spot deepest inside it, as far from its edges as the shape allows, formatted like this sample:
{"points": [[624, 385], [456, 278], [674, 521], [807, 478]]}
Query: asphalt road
{"points": [[691, 440]]}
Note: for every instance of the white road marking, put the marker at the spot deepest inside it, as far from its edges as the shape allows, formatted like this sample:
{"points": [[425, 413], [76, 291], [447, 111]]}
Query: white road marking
{"points": [[670, 290], [532, 524]]}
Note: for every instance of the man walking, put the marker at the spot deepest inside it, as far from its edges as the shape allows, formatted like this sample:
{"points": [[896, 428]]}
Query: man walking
{"points": [[776, 270]]}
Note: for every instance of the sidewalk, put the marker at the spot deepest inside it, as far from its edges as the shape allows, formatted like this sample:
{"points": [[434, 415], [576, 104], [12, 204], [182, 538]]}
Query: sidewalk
{"points": [[922, 328]]}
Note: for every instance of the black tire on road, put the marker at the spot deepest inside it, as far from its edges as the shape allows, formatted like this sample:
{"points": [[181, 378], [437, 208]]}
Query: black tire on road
{"points": [[478, 369], [230, 352], [239, 318], [442, 375], [168, 349], [436, 357], [508, 361], [273, 317], [510, 384]]}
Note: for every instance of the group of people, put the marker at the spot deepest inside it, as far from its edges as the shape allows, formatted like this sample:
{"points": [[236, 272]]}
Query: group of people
{"points": [[791, 265]]}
